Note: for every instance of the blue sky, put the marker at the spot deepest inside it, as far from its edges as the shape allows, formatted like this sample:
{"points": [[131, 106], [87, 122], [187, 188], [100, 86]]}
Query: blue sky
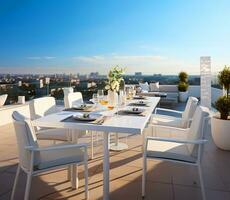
{"points": [[152, 36]]}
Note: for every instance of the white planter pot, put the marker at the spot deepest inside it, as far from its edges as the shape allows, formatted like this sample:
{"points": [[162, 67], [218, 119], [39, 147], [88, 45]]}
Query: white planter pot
{"points": [[112, 98], [183, 96], [221, 132]]}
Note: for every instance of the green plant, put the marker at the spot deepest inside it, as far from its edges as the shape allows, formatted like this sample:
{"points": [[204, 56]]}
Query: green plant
{"points": [[182, 86], [114, 79], [224, 79], [223, 103], [183, 82], [183, 76], [223, 106]]}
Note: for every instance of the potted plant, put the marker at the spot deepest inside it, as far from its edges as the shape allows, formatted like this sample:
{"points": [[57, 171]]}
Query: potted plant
{"points": [[113, 84], [220, 124], [183, 86]]}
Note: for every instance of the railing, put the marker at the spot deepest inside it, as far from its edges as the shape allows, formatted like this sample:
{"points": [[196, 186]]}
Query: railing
{"points": [[35, 90]]}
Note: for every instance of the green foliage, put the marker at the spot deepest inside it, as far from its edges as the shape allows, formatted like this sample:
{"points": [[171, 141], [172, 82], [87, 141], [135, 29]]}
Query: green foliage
{"points": [[224, 79], [183, 82], [183, 76], [223, 106], [182, 86]]}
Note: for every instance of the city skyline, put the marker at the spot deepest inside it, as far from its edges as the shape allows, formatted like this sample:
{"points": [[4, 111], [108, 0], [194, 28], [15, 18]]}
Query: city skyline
{"points": [[80, 37]]}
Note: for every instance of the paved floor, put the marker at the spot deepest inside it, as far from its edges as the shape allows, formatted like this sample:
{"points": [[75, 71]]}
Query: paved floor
{"points": [[165, 181]]}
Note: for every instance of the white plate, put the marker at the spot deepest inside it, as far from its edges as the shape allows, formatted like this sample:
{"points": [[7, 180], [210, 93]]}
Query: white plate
{"points": [[131, 111], [91, 117]]}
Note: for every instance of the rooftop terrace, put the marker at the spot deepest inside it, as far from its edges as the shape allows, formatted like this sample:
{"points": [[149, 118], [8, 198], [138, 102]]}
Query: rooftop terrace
{"points": [[165, 180]]}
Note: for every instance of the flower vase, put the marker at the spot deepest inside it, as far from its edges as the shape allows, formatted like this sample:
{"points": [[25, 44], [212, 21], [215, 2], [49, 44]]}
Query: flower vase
{"points": [[112, 98]]}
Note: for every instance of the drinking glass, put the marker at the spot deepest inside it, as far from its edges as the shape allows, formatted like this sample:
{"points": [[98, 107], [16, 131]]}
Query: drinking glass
{"points": [[104, 101], [95, 98], [100, 94], [128, 93]]}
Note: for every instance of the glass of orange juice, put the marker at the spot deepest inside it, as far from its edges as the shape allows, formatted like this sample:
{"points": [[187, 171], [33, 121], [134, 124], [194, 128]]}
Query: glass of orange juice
{"points": [[110, 107], [103, 102]]}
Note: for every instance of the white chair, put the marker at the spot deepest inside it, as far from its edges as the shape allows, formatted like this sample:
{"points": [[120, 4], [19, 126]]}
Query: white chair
{"points": [[3, 99], [71, 99], [76, 98], [45, 106], [180, 122], [34, 160], [187, 148]]}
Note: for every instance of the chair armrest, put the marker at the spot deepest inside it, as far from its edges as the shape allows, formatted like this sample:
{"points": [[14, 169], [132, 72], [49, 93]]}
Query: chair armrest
{"points": [[176, 140], [169, 127], [168, 131], [36, 116], [168, 110], [57, 147]]}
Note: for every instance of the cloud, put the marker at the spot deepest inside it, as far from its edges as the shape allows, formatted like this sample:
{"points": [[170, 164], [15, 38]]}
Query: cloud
{"points": [[34, 58], [49, 57], [148, 64], [40, 58], [125, 59], [89, 58]]}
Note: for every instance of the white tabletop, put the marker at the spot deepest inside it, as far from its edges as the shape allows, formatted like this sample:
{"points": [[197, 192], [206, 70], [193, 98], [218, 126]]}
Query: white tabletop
{"points": [[115, 123]]}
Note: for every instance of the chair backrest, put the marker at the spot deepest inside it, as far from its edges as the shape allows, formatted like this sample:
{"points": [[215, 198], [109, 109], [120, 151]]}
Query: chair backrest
{"points": [[189, 110], [3, 99], [43, 106], [168, 88], [72, 99], [25, 137], [197, 127]]}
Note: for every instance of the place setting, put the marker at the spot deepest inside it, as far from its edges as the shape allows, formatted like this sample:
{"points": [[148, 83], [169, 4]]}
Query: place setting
{"points": [[139, 103], [91, 118], [81, 108], [139, 97], [132, 112]]}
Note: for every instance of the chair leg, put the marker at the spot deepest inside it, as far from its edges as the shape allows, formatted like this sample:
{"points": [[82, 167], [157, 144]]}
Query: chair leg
{"points": [[74, 177], [92, 154], [86, 180], [69, 173], [97, 138], [15, 182], [144, 175], [28, 185], [201, 183]]}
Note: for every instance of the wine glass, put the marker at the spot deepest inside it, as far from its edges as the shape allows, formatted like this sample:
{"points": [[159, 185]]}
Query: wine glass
{"points": [[100, 95], [95, 98]]}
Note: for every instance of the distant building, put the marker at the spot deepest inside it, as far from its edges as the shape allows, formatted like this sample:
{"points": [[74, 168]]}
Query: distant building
{"points": [[93, 75], [91, 84], [138, 73]]}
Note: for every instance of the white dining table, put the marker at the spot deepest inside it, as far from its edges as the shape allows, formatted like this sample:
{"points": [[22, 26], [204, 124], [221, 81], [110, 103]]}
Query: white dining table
{"points": [[127, 124]]}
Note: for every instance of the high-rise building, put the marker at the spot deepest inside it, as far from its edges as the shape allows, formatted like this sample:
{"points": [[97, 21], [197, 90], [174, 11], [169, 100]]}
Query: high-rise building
{"points": [[138, 73]]}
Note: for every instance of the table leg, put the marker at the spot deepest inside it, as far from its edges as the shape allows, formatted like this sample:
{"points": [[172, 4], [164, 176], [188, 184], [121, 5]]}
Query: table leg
{"points": [[74, 168], [92, 145], [118, 146], [106, 166]]}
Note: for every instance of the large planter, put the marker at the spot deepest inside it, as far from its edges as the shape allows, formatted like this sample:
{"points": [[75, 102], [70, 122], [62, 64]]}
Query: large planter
{"points": [[221, 132], [112, 98], [183, 96]]}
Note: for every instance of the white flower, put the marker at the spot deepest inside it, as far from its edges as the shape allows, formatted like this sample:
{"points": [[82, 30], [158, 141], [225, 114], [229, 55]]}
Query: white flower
{"points": [[107, 87], [114, 78]]}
